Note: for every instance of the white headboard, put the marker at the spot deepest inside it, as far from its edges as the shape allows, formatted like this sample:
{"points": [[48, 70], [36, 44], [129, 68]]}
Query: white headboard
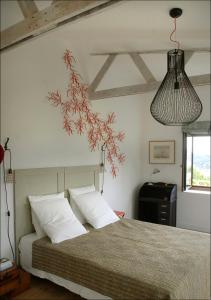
{"points": [[46, 181]]}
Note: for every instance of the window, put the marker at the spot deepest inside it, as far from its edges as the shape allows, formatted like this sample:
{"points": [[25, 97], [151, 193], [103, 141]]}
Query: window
{"points": [[196, 159]]}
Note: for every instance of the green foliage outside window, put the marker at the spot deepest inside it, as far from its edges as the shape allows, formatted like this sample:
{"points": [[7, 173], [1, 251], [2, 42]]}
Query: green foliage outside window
{"points": [[199, 179]]}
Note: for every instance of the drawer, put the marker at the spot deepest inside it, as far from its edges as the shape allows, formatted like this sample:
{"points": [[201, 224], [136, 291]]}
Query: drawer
{"points": [[164, 211], [164, 208], [9, 286], [164, 200], [164, 220], [164, 214]]}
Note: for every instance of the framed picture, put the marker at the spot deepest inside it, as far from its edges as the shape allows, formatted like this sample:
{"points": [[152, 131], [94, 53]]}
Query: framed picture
{"points": [[162, 152]]}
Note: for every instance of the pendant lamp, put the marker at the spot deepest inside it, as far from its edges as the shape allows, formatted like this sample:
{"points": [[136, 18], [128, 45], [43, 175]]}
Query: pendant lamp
{"points": [[176, 102]]}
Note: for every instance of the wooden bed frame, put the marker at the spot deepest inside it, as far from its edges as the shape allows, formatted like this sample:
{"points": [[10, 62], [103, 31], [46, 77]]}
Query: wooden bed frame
{"points": [[46, 181]]}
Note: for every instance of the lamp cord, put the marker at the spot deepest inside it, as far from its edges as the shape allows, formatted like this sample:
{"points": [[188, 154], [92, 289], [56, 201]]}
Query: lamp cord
{"points": [[174, 31], [8, 212], [103, 166]]}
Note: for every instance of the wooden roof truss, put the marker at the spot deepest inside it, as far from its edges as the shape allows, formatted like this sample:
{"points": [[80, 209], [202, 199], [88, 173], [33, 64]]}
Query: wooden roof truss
{"points": [[151, 83]]}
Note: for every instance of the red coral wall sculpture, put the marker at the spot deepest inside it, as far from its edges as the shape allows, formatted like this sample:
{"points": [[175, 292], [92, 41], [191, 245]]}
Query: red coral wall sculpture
{"points": [[78, 117]]}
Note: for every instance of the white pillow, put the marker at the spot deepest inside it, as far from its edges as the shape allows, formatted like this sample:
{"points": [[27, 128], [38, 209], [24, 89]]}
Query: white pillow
{"points": [[57, 219], [79, 191], [35, 221], [95, 209]]}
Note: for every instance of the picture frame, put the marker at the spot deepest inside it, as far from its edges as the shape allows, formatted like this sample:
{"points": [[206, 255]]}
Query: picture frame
{"points": [[162, 152]]}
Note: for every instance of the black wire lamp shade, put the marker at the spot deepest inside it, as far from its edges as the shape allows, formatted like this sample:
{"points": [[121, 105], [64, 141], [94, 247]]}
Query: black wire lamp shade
{"points": [[176, 102]]}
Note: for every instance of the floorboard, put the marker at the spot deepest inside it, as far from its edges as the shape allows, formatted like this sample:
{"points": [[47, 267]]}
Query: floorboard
{"points": [[42, 289]]}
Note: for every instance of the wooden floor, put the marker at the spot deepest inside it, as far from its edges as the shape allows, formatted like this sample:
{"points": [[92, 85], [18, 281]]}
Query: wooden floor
{"points": [[42, 289]]}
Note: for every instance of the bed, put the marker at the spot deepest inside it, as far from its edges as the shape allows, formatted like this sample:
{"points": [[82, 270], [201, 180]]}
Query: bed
{"points": [[25, 252], [128, 259]]}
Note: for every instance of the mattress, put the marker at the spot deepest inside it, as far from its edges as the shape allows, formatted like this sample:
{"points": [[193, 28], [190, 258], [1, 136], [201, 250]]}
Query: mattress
{"points": [[25, 248], [130, 259]]}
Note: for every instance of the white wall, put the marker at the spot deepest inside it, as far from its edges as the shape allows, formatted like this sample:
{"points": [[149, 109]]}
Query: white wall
{"points": [[193, 209], [37, 139]]}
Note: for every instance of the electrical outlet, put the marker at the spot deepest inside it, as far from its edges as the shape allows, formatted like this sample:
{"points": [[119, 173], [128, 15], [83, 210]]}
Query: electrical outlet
{"points": [[10, 177]]}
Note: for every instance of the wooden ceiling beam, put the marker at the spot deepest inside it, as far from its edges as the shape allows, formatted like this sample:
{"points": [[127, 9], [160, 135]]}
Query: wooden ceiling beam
{"points": [[57, 14], [123, 91], [198, 80], [188, 56], [28, 7], [156, 51], [142, 67], [151, 82], [93, 86]]}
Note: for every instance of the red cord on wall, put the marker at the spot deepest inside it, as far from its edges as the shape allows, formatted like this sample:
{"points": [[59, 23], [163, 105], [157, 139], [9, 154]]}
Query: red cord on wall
{"points": [[174, 32]]}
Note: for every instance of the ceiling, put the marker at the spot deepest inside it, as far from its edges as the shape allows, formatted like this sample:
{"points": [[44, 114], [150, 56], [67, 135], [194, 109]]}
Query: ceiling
{"points": [[130, 25], [149, 20], [12, 14], [127, 26]]}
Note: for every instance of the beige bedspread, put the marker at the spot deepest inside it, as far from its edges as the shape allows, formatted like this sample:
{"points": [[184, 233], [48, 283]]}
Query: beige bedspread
{"points": [[130, 259]]}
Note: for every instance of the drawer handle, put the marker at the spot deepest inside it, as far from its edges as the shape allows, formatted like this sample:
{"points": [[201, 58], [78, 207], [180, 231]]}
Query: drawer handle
{"points": [[163, 205], [162, 219], [163, 212]]}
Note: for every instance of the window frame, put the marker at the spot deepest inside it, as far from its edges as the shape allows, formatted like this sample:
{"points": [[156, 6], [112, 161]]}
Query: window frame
{"points": [[186, 187]]}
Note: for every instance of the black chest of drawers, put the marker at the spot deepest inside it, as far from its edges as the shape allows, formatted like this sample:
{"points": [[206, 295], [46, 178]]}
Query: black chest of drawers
{"points": [[157, 203]]}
